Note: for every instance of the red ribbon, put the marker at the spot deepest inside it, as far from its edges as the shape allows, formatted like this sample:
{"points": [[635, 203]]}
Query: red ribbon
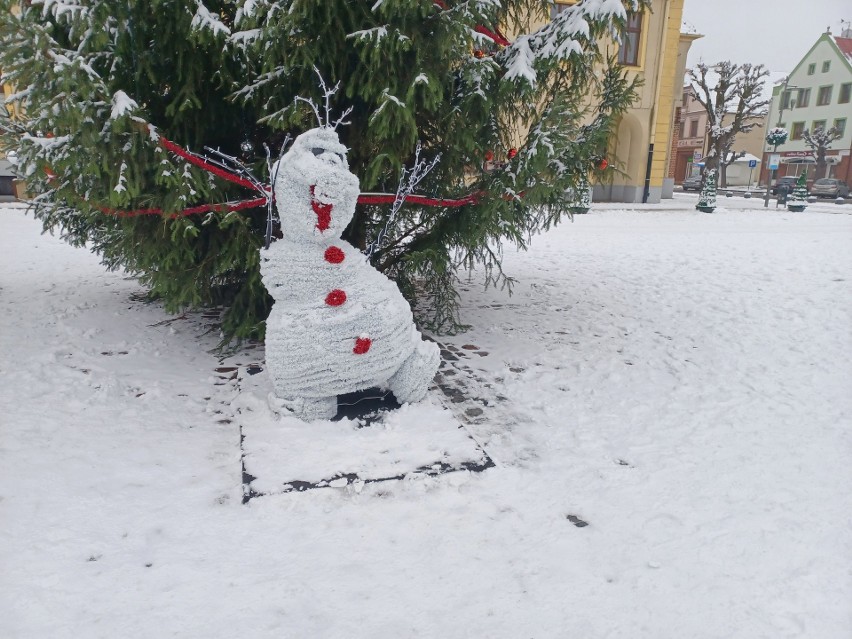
{"points": [[200, 162], [387, 198], [193, 210], [495, 35], [364, 198]]}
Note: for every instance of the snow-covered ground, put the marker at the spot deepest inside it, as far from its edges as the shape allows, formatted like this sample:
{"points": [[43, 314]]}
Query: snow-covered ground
{"points": [[679, 381]]}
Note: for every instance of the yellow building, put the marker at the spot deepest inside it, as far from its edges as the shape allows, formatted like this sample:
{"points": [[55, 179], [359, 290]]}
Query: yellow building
{"points": [[10, 188], [655, 51]]}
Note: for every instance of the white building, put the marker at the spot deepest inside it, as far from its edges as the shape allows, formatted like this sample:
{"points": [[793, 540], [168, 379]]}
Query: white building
{"points": [[818, 93], [740, 173]]}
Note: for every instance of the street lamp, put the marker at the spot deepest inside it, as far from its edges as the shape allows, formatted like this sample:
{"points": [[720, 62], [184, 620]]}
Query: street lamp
{"points": [[786, 87]]}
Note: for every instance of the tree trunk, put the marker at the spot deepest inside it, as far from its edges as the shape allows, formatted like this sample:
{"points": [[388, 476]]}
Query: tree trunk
{"points": [[723, 175], [820, 165], [712, 161]]}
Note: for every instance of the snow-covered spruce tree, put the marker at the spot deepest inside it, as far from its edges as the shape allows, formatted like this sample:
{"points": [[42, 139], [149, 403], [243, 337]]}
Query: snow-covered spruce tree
{"points": [[91, 75], [732, 96], [799, 198], [707, 197], [819, 141]]}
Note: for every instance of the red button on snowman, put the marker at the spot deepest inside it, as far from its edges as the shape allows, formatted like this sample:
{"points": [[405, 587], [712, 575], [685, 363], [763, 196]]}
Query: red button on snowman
{"points": [[337, 325]]}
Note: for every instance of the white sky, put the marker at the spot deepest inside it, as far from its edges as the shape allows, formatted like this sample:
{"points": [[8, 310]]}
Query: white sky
{"points": [[777, 33]]}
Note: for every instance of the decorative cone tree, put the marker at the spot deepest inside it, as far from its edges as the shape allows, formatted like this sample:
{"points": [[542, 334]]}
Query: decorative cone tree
{"points": [[92, 75], [799, 198], [707, 198]]}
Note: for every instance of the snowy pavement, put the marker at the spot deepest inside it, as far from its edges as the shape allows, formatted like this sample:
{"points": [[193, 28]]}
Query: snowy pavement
{"points": [[688, 199], [666, 396]]}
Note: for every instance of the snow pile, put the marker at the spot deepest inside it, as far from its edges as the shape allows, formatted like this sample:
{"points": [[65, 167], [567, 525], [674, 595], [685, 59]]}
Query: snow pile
{"points": [[676, 380], [338, 325], [205, 19], [122, 104], [280, 449], [688, 28]]}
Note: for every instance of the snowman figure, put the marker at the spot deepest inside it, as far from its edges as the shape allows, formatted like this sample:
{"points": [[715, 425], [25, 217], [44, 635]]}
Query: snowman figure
{"points": [[338, 325]]}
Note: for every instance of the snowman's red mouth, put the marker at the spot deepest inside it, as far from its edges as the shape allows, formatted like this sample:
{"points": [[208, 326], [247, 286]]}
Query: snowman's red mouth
{"points": [[323, 211]]}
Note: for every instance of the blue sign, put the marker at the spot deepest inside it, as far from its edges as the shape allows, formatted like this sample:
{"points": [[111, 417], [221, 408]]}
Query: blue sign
{"points": [[752, 164]]}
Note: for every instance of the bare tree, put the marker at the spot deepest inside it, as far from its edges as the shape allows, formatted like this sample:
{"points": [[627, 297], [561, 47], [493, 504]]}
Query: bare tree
{"points": [[735, 90], [820, 141]]}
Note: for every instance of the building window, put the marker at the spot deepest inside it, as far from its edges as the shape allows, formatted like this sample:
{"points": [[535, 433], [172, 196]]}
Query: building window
{"points": [[628, 52], [804, 98], [818, 124], [693, 129], [826, 66], [840, 125], [7, 185], [824, 96], [796, 133], [560, 6], [785, 99], [812, 68], [845, 93]]}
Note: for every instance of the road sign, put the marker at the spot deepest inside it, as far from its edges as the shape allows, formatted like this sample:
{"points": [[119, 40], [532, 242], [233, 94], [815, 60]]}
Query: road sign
{"points": [[752, 164], [696, 156], [774, 161]]}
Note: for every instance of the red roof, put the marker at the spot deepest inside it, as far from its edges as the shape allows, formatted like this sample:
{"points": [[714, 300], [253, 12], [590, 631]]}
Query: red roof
{"points": [[845, 45]]}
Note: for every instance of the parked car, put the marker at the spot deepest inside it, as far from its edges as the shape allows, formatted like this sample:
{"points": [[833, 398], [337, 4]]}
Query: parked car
{"points": [[692, 183], [786, 184], [830, 187]]}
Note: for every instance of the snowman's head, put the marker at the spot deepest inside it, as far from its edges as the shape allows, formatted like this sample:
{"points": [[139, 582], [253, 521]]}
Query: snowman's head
{"points": [[315, 193]]}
